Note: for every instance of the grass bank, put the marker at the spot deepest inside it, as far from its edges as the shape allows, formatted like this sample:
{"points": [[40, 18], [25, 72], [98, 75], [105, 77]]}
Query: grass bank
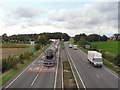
{"points": [[9, 74], [106, 62], [109, 46]]}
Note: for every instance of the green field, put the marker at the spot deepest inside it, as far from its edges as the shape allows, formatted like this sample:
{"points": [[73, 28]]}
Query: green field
{"points": [[110, 46]]}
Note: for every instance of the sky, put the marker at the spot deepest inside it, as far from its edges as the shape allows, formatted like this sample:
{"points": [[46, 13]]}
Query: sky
{"points": [[66, 16]]}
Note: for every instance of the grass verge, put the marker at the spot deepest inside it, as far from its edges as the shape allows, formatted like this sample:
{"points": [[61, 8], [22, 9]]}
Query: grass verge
{"points": [[106, 62], [68, 78], [112, 66], [9, 74]]}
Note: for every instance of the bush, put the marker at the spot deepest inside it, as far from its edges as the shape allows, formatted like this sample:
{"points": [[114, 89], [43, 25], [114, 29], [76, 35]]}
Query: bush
{"points": [[117, 60], [37, 47], [21, 57], [109, 56], [4, 64], [27, 55]]}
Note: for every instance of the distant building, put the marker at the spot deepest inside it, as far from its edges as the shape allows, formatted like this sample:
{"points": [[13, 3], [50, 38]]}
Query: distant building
{"points": [[115, 37], [54, 40], [32, 42]]}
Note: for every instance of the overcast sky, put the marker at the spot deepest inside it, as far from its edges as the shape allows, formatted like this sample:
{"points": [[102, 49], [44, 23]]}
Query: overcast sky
{"points": [[67, 16]]}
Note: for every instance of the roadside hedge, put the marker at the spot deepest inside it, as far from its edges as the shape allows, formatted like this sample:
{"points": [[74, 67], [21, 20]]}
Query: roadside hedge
{"points": [[12, 61]]}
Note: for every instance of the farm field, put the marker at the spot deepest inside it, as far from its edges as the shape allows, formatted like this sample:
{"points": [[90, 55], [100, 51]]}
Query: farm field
{"points": [[10, 51], [110, 46], [14, 45], [13, 49]]}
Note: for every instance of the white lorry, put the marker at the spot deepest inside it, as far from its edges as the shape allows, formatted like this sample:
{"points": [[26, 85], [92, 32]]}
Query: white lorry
{"points": [[95, 58]]}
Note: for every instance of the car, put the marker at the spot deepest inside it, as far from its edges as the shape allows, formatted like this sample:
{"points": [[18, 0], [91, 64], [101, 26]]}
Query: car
{"points": [[75, 47], [70, 46]]}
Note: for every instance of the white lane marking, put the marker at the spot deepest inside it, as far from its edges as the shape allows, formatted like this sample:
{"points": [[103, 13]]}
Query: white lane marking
{"points": [[98, 76], [34, 80], [88, 66], [56, 70], [62, 73], [112, 73], [74, 74], [77, 71]]}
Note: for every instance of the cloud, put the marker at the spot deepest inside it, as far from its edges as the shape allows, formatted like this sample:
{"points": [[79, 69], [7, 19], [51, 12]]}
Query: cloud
{"points": [[27, 12], [88, 18], [93, 17]]}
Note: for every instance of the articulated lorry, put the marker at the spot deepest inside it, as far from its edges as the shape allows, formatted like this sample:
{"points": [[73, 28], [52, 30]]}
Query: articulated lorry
{"points": [[95, 58], [50, 57]]}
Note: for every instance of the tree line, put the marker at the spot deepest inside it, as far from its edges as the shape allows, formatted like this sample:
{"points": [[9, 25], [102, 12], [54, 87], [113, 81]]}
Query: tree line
{"points": [[26, 38], [89, 38]]}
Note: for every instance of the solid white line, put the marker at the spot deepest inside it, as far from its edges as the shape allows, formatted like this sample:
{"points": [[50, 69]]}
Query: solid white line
{"points": [[56, 70], [73, 72], [34, 80], [112, 73], [62, 74], [21, 73], [77, 71], [98, 76]]}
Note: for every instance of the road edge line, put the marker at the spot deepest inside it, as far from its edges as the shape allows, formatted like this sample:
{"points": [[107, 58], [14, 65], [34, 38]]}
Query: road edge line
{"points": [[21, 72], [111, 73], [76, 70], [56, 69], [73, 71], [62, 73]]}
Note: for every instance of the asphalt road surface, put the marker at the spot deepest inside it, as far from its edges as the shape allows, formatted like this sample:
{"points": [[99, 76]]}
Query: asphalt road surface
{"points": [[35, 75], [91, 77]]}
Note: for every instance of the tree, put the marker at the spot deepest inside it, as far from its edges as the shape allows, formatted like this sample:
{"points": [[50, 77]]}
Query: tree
{"points": [[117, 60], [77, 37], [65, 36], [82, 41], [104, 38], [5, 38], [42, 39], [93, 37]]}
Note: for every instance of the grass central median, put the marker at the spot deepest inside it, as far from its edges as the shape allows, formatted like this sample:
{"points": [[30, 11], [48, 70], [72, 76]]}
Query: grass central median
{"points": [[68, 78]]}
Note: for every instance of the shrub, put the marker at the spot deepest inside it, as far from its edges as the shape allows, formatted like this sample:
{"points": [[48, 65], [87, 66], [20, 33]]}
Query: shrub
{"points": [[21, 57], [117, 60], [37, 47], [4, 64], [27, 55]]}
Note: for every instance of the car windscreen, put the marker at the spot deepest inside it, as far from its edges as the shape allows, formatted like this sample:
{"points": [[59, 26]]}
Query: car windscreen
{"points": [[98, 59]]}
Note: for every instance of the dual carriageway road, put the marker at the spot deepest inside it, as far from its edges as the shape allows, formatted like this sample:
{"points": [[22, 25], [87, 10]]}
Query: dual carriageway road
{"points": [[36, 75]]}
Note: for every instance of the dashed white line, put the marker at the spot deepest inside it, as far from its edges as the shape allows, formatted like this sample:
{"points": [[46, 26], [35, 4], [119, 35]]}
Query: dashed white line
{"points": [[98, 76], [34, 80], [56, 70], [20, 74]]}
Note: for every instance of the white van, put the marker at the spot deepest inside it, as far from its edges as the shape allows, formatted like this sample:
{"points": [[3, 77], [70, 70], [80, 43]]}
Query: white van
{"points": [[70, 46], [75, 47], [95, 58]]}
